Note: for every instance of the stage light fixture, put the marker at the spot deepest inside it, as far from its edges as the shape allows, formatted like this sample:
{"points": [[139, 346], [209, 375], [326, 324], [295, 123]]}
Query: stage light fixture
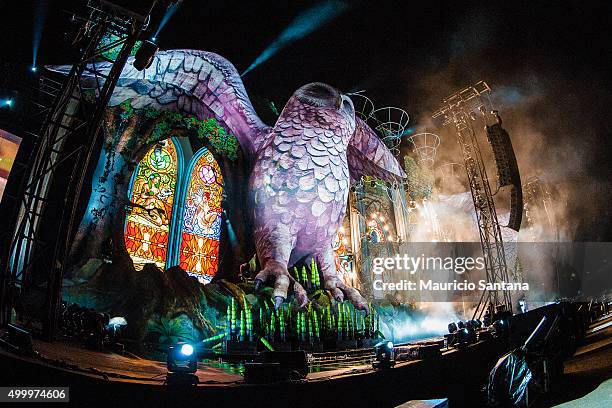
{"points": [[500, 328], [462, 336], [8, 102], [452, 327], [145, 55], [187, 350], [33, 69], [384, 355], [182, 358]]}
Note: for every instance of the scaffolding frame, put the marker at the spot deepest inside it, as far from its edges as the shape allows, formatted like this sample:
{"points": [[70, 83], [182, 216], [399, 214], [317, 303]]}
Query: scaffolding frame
{"points": [[69, 138], [461, 110]]}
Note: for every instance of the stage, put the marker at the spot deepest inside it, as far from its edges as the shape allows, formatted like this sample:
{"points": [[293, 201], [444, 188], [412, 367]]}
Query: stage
{"points": [[129, 378]]}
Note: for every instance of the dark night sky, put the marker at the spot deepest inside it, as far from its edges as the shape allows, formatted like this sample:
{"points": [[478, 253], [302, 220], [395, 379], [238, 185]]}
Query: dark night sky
{"points": [[549, 63], [382, 46]]}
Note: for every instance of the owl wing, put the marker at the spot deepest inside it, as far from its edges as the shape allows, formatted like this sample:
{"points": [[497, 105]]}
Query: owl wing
{"points": [[192, 82], [368, 156]]}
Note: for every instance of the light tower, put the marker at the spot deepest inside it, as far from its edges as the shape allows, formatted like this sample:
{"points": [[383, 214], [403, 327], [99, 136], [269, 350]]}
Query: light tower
{"points": [[465, 110]]}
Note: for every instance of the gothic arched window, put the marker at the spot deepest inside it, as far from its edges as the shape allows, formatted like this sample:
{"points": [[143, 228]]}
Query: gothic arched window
{"points": [[201, 221], [152, 191]]}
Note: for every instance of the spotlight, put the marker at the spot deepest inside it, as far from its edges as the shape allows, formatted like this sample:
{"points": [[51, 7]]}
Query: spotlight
{"points": [[384, 355], [462, 336], [500, 328], [154, 39], [33, 69], [476, 323], [182, 358], [8, 102], [187, 350], [145, 55]]}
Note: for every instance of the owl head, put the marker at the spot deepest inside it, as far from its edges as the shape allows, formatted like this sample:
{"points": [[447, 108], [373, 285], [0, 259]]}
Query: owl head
{"points": [[324, 105]]}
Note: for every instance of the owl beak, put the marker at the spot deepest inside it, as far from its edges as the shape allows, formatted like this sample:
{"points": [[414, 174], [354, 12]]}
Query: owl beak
{"points": [[343, 100]]}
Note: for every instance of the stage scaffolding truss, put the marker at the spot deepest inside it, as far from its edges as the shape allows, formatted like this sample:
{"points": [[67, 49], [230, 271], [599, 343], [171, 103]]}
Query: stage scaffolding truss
{"points": [[465, 110], [64, 156]]}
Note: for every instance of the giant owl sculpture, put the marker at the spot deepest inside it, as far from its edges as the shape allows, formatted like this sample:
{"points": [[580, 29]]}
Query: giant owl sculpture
{"points": [[302, 167]]}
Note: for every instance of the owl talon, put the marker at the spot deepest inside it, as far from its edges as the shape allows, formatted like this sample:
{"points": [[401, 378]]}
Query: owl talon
{"points": [[258, 283], [341, 292], [355, 298], [338, 295], [278, 301], [300, 295]]}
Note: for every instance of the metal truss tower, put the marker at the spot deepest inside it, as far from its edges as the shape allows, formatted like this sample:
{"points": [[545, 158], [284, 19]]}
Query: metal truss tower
{"points": [[43, 216], [462, 110]]}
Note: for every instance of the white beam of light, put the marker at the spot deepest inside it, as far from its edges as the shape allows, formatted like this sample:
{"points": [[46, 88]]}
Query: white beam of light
{"points": [[40, 15], [304, 24]]}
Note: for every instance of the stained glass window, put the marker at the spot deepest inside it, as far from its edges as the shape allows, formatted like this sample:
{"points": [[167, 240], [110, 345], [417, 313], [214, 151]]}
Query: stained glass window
{"points": [[152, 192], [343, 253], [199, 250], [378, 229]]}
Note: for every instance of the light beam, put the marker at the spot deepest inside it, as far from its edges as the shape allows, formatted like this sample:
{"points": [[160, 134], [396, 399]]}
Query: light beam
{"points": [[304, 24], [40, 15], [169, 13]]}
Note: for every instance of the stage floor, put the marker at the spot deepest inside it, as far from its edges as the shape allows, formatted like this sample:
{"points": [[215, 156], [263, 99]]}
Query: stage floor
{"points": [[115, 367], [120, 367], [112, 366]]}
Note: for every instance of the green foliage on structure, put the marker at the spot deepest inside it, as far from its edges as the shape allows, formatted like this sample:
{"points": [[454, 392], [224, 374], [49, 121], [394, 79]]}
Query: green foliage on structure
{"points": [[419, 181], [169, 122], [171, 330], [251, 317], [111, 50]]}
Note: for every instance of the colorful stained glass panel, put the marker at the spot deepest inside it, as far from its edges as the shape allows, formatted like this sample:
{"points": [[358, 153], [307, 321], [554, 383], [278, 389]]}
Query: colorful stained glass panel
{"points": [[343, 253], [152, 195], [201, 229]]}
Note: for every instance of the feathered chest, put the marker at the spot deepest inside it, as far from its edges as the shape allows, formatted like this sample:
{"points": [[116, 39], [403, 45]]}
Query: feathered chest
{"points": [[308, 161]]}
